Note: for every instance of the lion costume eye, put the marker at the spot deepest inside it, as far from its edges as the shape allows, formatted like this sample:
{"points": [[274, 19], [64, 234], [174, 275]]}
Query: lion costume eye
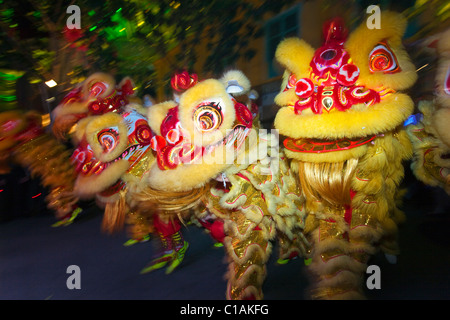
{"points": [[108, 139], [208, 116], [143, 133], [97, 88], [291, 82], [382, 59]]}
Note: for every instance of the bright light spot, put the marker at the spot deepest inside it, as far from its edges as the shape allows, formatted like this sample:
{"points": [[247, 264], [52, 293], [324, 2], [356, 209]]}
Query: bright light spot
{"points": [[45, 119], [51, 83]]}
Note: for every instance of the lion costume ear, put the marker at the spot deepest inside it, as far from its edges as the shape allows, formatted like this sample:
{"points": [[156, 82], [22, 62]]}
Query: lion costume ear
{"points": [[127, 86], [380, 55], [98, 85], [294, 55], [236, 83], [156, 114], [75, 104]]}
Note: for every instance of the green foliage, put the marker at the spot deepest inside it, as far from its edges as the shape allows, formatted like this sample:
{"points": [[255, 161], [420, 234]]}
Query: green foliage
{"points": [[127, 36]]}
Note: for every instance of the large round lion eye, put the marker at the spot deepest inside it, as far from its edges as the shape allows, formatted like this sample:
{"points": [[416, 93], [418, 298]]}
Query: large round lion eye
{"points": [[143, 134], [291, 82], [381, 58], [97, 89], [108, 139], [208, 116]]}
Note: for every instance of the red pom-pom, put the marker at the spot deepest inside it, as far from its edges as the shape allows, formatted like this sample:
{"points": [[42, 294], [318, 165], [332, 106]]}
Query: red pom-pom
{"points": [[243, 115], [335, 31], [347, 75], [183, 81], [304, 88]]}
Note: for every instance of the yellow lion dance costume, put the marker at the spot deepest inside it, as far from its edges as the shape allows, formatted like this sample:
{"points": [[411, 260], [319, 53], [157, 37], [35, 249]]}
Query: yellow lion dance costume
{"points": [[342, 117], [206, 138], [24, 141], [97, 95], [431, 135]]}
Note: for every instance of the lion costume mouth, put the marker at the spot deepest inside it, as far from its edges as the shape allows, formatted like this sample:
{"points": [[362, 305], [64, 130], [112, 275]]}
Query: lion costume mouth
{"points": [[235, 138], [184, 152], [111, 138], [86, 164], [321, 146]]}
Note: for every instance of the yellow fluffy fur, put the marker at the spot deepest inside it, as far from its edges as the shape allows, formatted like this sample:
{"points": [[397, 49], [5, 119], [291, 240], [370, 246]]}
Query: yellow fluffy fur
{"points": [[362, 40], [87, 186], [80, 129], [441, 121], [156, 114], [105, 78], [292, 53], [239, 77]]}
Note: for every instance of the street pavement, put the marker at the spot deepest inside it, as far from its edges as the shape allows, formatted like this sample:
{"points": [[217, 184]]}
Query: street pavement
{"points": [[34, 261]]}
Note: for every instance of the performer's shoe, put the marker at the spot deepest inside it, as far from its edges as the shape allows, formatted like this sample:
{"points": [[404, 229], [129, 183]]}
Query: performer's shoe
{"points": [[130, 242], [68, 219], [177, 258], [174, 249], [292, 256], [158, 263]]}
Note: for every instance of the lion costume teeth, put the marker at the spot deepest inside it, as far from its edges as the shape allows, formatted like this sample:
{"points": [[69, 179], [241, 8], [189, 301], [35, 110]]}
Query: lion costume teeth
{"points": [[341, 117]]}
